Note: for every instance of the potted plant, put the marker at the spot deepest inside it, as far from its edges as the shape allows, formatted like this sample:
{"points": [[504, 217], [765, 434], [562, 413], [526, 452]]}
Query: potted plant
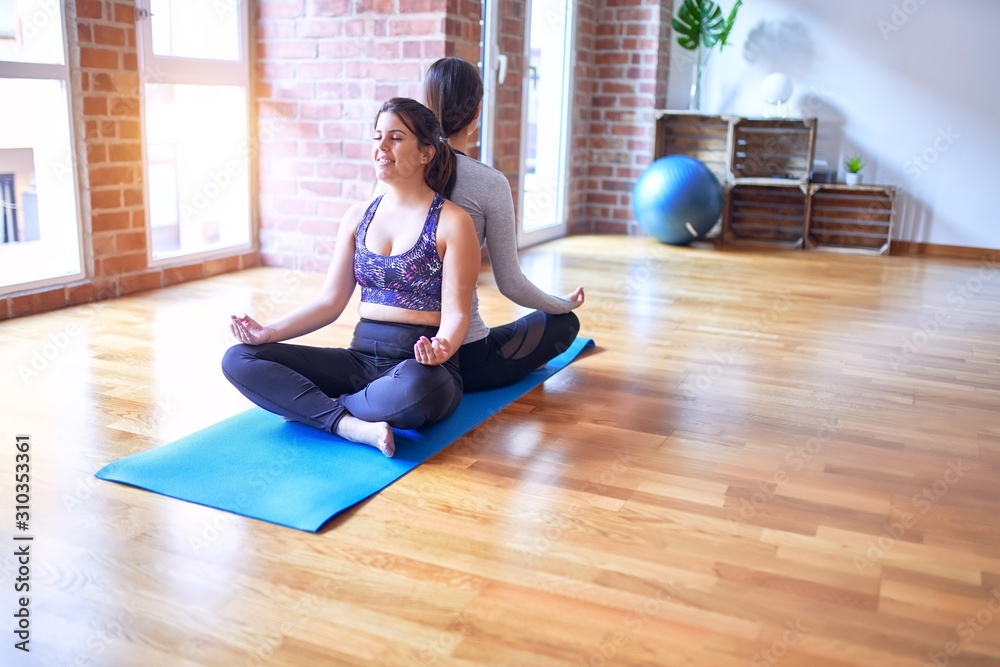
{"points": [[699, 25], [854, 164]]}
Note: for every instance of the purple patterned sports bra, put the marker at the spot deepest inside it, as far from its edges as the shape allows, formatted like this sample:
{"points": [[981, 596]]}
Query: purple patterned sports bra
{"points": [[410, 280]]}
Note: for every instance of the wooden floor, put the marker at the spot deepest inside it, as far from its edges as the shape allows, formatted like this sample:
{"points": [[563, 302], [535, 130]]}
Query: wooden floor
{"points": [[771, 458]]}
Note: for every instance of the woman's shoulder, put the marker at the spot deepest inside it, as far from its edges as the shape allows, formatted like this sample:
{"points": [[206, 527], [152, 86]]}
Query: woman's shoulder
{"points": [[453, 214], [474, 172], [454, 222], [352, 217]]}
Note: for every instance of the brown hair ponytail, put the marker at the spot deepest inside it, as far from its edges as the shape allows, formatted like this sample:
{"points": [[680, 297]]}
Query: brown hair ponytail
{"points": [[453, 90]]}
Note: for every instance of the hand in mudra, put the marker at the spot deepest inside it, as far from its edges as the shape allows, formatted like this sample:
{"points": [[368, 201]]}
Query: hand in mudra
{"points": [[433, 351], [576, 296], [248, 330]]}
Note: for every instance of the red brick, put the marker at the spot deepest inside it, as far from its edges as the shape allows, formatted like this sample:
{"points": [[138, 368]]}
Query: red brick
{"points": [[412, 49], [103, 82], [288, 9], [125, 152], [83, 33], [112, 221], [133, 196], [104, 245], [38, 302], [278, 186], [111, 176], [141, 281], [122, 264], [129, 129], [323, 27], [291, 49], [125, 106], [109, 36], [98, 58], [130, 241], [95, 106], [417, 27], [387, 50], [320, 70], [608, 227], [214, 267], [92, 290], [435, 50], [105, 199], [125, 13], [97, 153], [278, 260], [130, 62], [138, 218], [181, 274], [249, 260], [90, 9]]}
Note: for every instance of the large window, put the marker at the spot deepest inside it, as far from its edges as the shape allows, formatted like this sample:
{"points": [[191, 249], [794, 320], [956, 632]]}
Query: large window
{"points": [[195, 69], [39, 213]]}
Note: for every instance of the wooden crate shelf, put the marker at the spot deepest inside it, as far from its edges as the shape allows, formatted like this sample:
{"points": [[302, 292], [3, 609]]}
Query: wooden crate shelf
{"points": [[773, 214], [850, 217], [763, 165], [773, 148], [700, 136]]}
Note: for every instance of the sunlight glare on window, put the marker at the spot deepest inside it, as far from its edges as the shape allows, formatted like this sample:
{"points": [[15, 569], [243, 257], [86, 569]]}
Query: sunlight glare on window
{"points": [[31, 31], [198, 167], [208, 29], [40, 236]]}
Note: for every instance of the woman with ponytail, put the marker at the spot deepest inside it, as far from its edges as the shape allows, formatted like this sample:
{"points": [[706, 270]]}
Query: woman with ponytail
{"points": [[496, 356], [416, 258]]}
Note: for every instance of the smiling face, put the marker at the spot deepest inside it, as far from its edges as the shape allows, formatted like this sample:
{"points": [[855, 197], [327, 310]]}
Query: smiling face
{"points": [[397, 154]]}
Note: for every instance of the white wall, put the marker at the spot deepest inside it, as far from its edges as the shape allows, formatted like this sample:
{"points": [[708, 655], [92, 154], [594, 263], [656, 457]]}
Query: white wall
{"points": [[912, 85]]}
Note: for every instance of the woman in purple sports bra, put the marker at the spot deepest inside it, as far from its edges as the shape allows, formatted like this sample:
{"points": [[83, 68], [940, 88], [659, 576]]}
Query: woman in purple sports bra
{"points": [[416, 258]]}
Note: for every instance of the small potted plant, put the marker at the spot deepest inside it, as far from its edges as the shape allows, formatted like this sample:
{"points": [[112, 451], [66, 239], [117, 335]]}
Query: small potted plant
{"points": [[853, 165]]}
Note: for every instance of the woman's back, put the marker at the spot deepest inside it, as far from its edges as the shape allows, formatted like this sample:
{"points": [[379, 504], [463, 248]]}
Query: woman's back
{"points": [[485, 195]]}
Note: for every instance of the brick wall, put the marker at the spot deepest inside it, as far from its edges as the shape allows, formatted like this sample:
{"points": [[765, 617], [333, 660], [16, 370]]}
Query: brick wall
{"points": [[323, 68], [625, 75], [105, 95], [585, 75], [507, 128]]}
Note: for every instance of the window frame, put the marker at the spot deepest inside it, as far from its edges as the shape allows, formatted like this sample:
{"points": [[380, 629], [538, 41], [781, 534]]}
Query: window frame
{"points": [[56, 72], [158, 69]]}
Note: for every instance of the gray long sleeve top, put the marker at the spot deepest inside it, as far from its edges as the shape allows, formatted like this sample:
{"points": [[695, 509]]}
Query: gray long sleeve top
{"points": [[485, 194]]}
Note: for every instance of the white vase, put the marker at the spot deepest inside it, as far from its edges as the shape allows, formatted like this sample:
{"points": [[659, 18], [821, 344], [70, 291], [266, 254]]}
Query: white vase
{"points": [[852, 178]]}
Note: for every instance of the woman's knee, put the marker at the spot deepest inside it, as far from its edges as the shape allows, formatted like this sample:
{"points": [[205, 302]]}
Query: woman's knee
{"points": [[569, 323], [432, 390], [419, 379], [235, 358]]}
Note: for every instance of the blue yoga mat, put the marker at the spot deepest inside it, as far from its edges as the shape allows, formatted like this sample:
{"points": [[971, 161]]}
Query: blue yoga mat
{"points": [[258, 465]]}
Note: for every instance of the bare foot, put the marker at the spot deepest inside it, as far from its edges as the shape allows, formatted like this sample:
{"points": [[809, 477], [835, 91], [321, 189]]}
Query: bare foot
{"points": [[373, 434]]}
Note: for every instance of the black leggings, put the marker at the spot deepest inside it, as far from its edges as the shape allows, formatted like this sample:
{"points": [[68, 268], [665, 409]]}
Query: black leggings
{"points": [[376, 379], [513, 350]]}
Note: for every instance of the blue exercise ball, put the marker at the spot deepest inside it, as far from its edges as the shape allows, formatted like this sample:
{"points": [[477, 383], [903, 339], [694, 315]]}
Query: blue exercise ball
{"points": [[677, 199]]}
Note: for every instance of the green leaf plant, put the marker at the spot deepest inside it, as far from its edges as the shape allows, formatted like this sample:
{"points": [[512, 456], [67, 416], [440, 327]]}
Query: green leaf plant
{"points": [[700, 26]]}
